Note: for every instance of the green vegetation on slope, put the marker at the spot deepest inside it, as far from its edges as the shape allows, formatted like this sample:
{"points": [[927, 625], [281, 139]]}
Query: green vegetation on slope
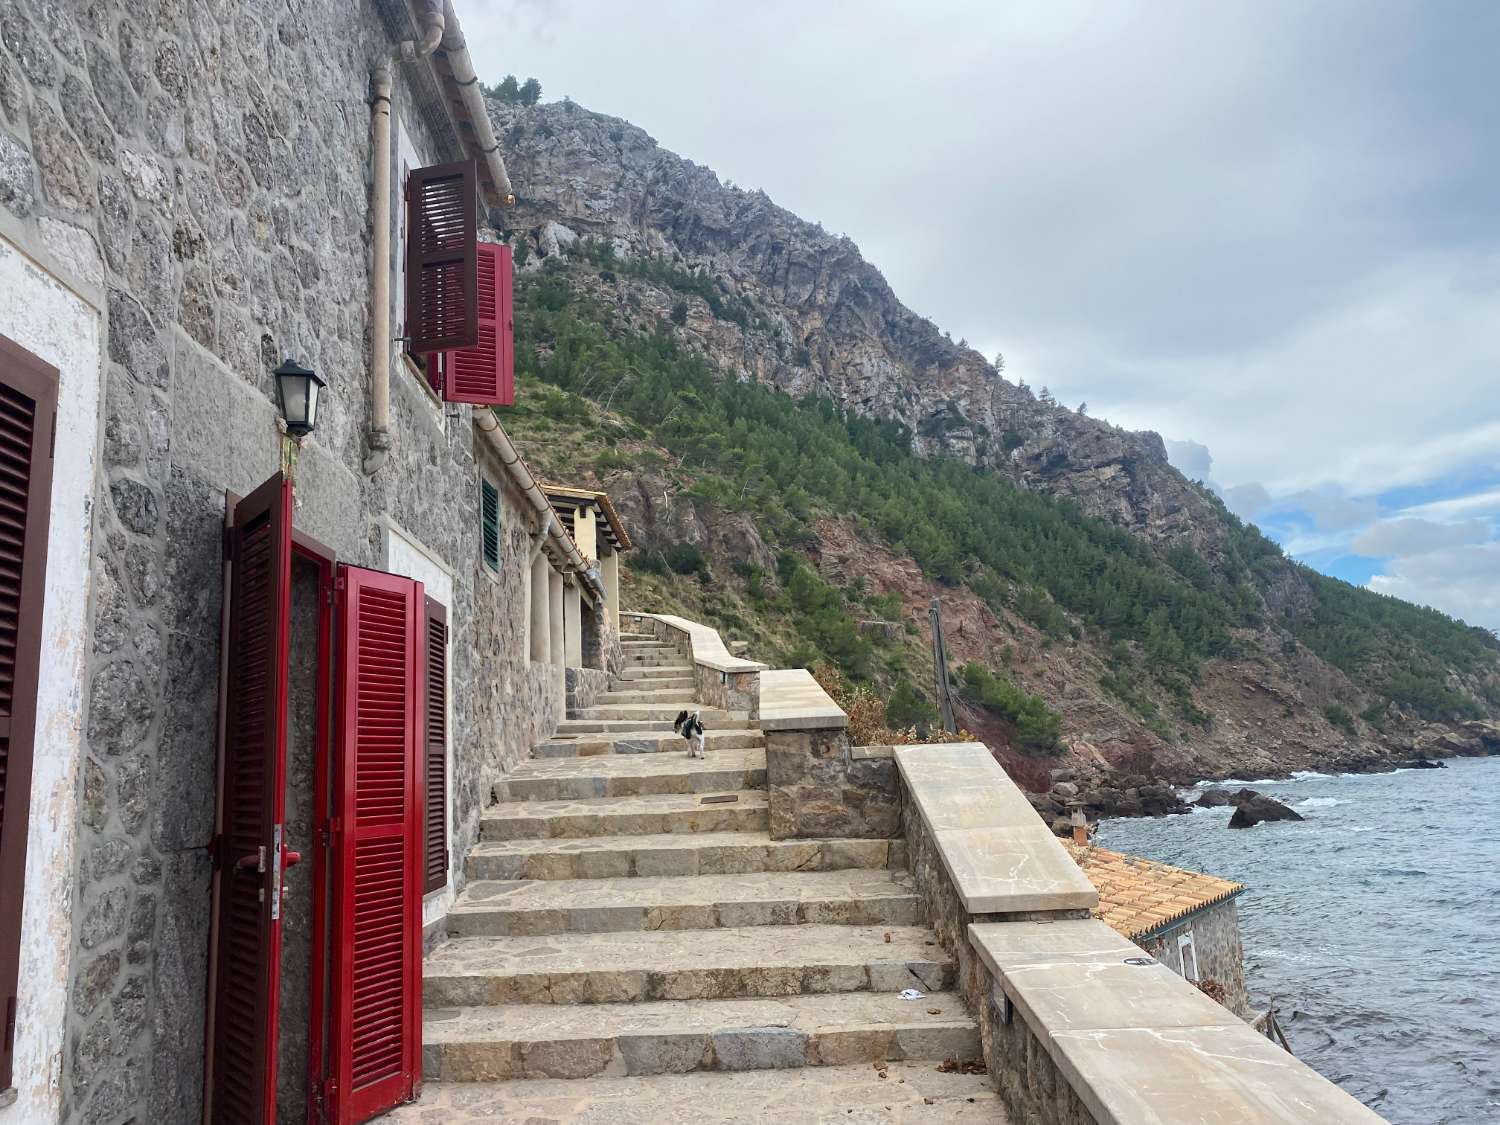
{"points": [[788, 461]]}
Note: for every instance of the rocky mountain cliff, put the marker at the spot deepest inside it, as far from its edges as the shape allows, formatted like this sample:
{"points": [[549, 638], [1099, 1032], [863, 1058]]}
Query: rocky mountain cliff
{"points": [[830, 322], [648, 242]]}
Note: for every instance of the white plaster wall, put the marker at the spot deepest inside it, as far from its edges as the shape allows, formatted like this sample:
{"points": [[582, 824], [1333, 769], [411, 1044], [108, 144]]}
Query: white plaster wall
{"points": [[50, 320], [404, 555]]}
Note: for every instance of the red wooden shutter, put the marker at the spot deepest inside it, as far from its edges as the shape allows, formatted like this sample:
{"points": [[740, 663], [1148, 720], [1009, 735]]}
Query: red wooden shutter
{"points": [[442, 227], [246, 941], [435, 748], [378, 923], [28, 418], [486, 373]]}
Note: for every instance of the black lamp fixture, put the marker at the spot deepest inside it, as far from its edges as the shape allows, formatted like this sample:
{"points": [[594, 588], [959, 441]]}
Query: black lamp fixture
{"points": [[298, 387]]}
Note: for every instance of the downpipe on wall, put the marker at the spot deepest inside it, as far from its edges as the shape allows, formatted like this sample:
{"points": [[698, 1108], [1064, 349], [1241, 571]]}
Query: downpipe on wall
{"points": [[378, 438]]}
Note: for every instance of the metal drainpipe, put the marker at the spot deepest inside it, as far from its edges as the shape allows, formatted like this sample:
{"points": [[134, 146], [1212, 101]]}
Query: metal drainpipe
{"points": [[378, 439]]}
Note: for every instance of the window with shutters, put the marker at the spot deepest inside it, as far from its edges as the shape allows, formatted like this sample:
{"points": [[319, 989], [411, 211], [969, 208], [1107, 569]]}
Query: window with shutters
{"points": [[489, 523], [28, 417], [435, 748], [442, 279], [485, 374]]}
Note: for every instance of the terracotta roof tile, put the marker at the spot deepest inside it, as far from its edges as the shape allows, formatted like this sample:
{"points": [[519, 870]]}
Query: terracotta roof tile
{"points": [[1137, 896]]}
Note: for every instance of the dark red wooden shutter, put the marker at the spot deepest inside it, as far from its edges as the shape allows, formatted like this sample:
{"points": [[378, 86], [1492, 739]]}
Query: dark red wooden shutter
{"points": [[378, 977], [435, 748], [442, 228], [28, 416], [246, 940], [485, 374]]}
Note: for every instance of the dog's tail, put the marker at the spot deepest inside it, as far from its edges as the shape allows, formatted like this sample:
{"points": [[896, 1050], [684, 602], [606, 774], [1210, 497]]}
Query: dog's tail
{"points": [[677, 722]]}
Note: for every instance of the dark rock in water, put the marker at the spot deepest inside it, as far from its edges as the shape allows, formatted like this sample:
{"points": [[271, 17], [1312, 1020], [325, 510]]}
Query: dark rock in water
{"points": [[1214, 798], [1257, 808], [1422, 764]]}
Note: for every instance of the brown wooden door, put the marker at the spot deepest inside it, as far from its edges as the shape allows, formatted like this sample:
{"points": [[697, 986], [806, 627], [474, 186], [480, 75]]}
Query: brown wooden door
{"points": [[28, 418], [246, 941], [376, 977]]}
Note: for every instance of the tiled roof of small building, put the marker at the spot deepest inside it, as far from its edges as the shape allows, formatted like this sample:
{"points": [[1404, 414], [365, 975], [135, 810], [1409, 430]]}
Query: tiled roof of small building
{"points": [[1140, 896]]}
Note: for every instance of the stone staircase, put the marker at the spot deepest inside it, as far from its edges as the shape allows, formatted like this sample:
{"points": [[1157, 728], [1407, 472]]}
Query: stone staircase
{"points": [[633, 946]]}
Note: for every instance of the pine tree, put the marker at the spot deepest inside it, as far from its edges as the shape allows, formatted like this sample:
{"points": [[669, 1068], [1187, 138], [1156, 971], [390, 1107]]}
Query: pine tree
{"points": [[531, 92], [509, 90]]}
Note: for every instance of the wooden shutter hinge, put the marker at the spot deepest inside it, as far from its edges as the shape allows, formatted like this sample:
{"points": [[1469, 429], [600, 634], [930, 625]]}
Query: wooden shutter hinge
{"points": [[52, 445], [10, 1024]]}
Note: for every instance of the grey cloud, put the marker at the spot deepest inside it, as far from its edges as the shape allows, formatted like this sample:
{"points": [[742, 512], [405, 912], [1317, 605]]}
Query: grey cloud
{"points": [[1190, 458], [1247, 500], [1460, 581], [1332, 512], [1405, 537]]}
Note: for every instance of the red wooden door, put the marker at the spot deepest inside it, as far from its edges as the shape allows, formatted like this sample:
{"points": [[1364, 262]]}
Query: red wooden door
{"points": [[246, 944], [377, 938]]}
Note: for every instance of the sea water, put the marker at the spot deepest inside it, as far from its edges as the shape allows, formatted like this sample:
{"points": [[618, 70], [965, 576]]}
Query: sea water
{"points": [[1374, 924]]}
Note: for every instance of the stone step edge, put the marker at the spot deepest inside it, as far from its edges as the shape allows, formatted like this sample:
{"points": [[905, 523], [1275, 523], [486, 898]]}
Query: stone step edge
{"points": [[679, 1049]]}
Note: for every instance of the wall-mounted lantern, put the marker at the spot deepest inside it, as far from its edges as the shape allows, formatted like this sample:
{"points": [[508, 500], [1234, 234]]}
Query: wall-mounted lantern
{"points": [[298, 387]]}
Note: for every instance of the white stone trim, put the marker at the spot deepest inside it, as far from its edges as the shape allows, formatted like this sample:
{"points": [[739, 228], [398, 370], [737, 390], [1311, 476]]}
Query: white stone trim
{"points": [[48, 318]]}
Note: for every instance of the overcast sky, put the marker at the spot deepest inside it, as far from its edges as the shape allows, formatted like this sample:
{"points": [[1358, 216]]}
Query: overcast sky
{"points": [[1268, 230]]}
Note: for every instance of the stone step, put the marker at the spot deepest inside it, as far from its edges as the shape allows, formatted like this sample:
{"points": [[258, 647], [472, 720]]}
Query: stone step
{"points": [[680, 698], [657, 672], [654, 712], [627, 816], [654, 658], [703, 853], [858, 897], [636, 644], [678, 1036], [685, 684], [909, 1093], [570, 727], [636, 636], [761, 961], [642, 742], [633, 775]]}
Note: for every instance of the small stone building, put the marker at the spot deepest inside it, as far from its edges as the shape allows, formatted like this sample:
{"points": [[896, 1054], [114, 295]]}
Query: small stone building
{"points": [[1184, 919], [260, 666]]}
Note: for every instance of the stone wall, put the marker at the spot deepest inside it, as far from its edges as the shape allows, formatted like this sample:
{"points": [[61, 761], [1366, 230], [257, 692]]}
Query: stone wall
{"points": [[584, 685], [1220, 951], [818, 785], [1025, 1076], [204, 165]]}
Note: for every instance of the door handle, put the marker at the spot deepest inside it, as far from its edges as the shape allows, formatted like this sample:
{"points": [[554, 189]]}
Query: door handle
{"points": [[290, 859], [255, 862]]}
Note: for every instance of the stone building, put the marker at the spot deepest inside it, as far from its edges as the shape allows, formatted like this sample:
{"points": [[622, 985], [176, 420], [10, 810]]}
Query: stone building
{"points": [[1185, 919], [192, 192]]}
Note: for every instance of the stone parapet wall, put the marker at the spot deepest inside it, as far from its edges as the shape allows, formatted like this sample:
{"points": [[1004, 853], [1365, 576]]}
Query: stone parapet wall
{"points": [[818, 785], [1077, 1025], [720, 679]]}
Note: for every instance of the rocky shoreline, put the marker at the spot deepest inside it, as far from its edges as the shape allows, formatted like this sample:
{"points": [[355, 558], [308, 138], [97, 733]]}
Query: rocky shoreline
{"points": [[1102, 793]]}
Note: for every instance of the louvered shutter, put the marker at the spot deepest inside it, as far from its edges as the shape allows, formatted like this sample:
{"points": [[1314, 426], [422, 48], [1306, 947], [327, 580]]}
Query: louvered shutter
{"points": [[435, 748], [246, 939], [485, 374], [442, 228], [28, 416], [489, 523], [377, 1037]]}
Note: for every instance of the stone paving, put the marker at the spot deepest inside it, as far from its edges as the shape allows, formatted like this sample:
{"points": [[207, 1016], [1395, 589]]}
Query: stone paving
{"points": [[632, 946], [908, 1094]]}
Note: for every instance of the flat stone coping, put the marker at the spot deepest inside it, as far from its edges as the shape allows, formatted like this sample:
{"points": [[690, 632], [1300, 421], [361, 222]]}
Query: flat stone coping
{"points": [[1141, 1046], [1000, 856], [790, 699], [708, 647]]}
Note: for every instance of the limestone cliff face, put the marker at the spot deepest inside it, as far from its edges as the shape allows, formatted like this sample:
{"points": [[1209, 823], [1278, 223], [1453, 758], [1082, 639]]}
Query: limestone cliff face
{"points": [[826, 320]]}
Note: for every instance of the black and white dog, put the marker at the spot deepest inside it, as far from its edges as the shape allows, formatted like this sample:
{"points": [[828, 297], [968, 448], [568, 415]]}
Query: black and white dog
{"points": [[690, 726]]}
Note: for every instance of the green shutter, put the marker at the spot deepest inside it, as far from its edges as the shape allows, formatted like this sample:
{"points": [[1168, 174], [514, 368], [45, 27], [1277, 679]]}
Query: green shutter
{"points": [[489, 515]]}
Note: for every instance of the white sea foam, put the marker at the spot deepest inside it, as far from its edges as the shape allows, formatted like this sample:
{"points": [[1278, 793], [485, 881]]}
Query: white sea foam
{"points": [[1318, 803]]}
